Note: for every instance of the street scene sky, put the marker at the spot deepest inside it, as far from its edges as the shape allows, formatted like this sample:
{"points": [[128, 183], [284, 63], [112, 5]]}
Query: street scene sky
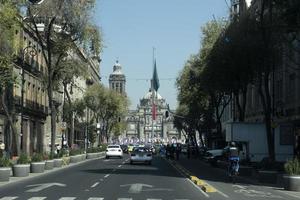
{"points": [[131, 28]]}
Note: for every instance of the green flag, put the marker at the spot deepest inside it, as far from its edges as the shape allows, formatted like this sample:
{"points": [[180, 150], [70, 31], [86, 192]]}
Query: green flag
{"points": [[155, 80]]}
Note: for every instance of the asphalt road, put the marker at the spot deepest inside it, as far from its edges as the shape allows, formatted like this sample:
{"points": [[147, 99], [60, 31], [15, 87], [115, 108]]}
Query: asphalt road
{"points": [[116, 179], [101, 179]]}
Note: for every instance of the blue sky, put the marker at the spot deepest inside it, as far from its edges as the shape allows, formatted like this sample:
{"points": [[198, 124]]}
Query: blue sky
{"points": [[131, 28]]}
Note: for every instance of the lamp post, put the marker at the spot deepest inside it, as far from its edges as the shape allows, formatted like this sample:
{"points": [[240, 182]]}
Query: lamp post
{"points": [[32, 52]]}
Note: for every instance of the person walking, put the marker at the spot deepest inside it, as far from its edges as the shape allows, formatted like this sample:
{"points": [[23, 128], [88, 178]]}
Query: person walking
{"points": [[178, 151]]}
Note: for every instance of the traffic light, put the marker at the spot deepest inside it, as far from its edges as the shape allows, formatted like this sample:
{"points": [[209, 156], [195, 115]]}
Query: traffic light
{"points": [[167, 114]]}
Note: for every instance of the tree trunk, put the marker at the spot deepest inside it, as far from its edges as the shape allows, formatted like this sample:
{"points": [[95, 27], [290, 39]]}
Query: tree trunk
{"points": [[266, 102], [15, 150], [53, 116], [241, 104], [71, 115]]}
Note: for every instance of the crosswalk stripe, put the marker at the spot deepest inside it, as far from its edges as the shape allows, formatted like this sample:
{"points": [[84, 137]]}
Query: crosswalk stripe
{"points": [[8, 198], [153, 199], [37, 198], [95, 198], [124, 198], [67, 198]]}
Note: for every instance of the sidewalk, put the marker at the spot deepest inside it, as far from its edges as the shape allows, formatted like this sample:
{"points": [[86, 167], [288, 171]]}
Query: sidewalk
{"points": [[13, 179]]}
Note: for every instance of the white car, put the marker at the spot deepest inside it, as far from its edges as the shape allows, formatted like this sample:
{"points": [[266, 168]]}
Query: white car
{"points": [[114, 151], [141, 154]]}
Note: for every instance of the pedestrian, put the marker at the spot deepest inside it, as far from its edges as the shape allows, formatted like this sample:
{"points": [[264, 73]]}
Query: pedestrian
{"points": [[173, 148], [168, 151], [188, 152], [178, 150]]}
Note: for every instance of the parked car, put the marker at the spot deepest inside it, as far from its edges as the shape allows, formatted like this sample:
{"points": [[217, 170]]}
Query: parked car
{"points": [[113, 151], [141, 155], [214, 155]]}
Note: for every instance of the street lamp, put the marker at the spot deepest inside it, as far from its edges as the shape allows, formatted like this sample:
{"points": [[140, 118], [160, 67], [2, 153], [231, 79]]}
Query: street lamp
{"points": [[32, 52]]}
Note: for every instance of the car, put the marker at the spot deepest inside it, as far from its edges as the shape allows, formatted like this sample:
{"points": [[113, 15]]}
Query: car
{"points": [[141, 155], [124, 148], [113, 151], [214, 155], [130, 148]]}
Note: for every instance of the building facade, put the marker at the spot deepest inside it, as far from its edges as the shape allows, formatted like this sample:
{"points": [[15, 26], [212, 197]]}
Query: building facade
{"points": [[143, 126], [117, 80]]}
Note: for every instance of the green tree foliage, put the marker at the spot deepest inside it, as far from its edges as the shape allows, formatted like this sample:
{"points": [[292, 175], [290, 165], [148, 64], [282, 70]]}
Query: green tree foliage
{"points": [[66, 26], [8, 25], [109, 109]]}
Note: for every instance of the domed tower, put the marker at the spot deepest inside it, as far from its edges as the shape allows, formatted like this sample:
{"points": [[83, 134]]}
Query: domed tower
{"points": [[117, 79]]}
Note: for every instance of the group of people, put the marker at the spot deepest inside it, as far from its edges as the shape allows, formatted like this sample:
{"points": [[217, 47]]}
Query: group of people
{"points": [[173, 151]]}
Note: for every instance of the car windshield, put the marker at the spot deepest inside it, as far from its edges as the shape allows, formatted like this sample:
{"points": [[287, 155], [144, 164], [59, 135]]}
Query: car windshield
{"points": [[140, 149], [113, 147]]}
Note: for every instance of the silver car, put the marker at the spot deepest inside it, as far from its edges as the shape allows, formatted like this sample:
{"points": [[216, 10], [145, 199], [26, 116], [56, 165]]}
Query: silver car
{"points": [[141, 155]]}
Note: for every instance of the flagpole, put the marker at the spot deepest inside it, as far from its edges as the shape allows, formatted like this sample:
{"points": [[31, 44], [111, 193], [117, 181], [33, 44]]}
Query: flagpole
{"points": [[152, 89]]}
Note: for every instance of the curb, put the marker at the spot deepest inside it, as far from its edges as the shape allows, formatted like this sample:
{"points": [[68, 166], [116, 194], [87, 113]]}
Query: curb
{"points": [[46, 172], [199, 182]]}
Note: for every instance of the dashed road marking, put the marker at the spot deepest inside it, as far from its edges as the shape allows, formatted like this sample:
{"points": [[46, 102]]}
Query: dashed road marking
{"points": [[37, 198], [120, 166], [107, 175], [67, 198], [124, 198], [95, 184], [95, 198], [8, 198]]}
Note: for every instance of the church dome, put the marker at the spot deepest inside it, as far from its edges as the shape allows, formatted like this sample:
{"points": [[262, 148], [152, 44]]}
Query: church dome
{"points": [[148, 95], [117, 69]]}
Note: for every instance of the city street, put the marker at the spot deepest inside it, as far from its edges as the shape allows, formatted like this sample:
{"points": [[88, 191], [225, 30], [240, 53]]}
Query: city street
{"points": [[117, 179]]}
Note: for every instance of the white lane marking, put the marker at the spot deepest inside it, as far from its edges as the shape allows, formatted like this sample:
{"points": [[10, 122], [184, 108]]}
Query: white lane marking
{"points": [[37, 198], [198, 188], [120, 166], [8, 198], [95, 184], [107, 175], [221, 193], [239, 186], [67, 198], [153, 199], [95, 198], [101, 179], [124, 198]]}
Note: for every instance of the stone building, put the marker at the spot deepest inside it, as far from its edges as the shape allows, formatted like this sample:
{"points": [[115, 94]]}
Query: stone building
{"points": [[141, 127], [117, 80]]}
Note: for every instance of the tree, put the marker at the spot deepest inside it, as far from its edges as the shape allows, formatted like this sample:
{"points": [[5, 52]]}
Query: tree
{"points": [[213, 83], [109, 109], [193, 99], [72, 69], [8, 25], [65, 26]]}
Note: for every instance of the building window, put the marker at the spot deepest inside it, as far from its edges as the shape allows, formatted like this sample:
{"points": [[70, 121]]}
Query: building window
{"points": [[33, 97]]}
